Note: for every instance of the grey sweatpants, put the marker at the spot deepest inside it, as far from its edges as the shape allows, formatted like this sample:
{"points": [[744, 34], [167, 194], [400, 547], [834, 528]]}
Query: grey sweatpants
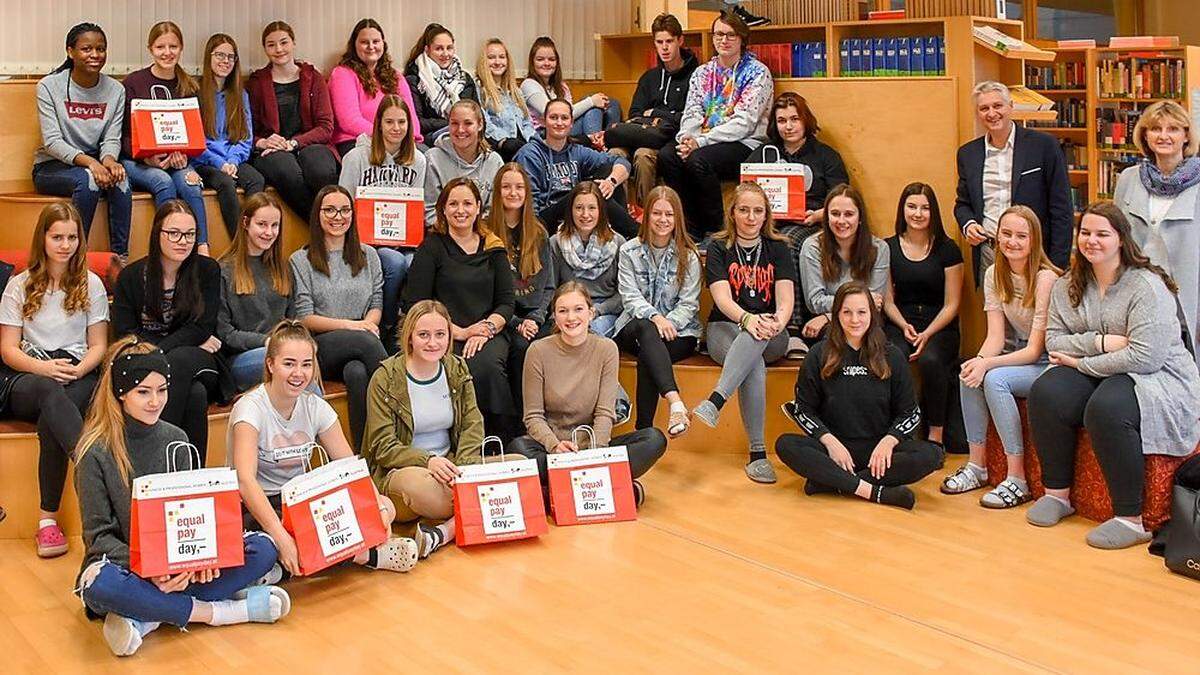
{"points": [[744, 368]]}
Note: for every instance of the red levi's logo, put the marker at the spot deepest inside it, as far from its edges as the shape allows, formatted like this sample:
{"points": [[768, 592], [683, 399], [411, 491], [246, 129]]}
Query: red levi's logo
{"points": [[761, 279], [85, 111]]}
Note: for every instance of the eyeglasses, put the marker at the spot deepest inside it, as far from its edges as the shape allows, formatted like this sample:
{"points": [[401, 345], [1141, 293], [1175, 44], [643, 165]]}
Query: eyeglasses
{"points": [[224, 57], [719, 35], [176, 236], [335, 212], [746, 211]]}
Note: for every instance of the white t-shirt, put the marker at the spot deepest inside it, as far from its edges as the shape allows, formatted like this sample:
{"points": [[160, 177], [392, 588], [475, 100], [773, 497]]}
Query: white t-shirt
{"points": [[283, 444], [51, 328], [433, 413]]}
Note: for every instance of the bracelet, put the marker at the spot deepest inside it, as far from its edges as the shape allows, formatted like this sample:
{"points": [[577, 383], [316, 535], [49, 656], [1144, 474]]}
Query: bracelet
{"points": [[491, 327], [744, 321]]}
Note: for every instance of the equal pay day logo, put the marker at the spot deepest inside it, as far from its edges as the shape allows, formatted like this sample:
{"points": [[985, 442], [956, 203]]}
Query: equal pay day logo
{"points": [[191, 530]]}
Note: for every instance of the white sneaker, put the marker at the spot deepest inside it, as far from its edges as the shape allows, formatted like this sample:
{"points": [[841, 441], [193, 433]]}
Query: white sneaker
{"points": [[124, 635]]}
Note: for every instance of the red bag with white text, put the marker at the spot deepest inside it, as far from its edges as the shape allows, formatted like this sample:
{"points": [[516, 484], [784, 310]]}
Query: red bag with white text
{"points": [[333, 513], [162, 125], [498, 501], [591, 486], [390, 216], [185, 520], [785, 184]]}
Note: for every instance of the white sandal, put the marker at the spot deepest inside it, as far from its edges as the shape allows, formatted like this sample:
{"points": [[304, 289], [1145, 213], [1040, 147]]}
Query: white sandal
{"points": [[678, 423], [1005, 496], [963, 480]]}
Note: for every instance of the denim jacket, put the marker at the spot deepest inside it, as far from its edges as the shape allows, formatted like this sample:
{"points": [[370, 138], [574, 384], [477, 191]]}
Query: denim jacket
{"points": [[647, 290]]}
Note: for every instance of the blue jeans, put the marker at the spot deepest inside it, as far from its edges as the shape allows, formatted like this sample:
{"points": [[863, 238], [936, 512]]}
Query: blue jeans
{"points": [[395, 263], [120, 591], [997, 398], [597, 119], [603, 325], [55, 178], [168, 184], [247, 368]]}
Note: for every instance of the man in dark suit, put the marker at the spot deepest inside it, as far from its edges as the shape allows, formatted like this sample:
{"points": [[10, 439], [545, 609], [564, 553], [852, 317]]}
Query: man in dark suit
{"points": [[1011, 165]]}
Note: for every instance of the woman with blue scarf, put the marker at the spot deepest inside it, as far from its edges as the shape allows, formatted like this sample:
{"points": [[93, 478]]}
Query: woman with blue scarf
{"points": [[1160, 197]]}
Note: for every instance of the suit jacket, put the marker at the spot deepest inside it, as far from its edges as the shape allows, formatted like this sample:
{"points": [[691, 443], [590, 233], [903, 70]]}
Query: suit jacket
{"points": [[1039, 181]]}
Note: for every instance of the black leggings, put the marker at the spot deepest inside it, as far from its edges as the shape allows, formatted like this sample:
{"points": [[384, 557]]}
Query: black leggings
{"points": [[698, 178], [248, 179], [644, 447], [58, 411], [351, 356], [1064, 399], [655, 376], [298, 176], [912, 460], [193, 377], [938, 366]]}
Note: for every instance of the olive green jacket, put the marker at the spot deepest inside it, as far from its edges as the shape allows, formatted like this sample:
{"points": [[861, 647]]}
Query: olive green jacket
{"points": [[389, 430]]}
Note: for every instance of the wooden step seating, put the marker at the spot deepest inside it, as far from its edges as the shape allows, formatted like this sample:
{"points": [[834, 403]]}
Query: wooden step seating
{"points": [[1089, 492]]}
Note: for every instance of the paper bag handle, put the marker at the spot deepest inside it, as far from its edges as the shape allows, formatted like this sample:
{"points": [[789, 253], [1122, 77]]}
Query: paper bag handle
{"points": [[586, 429], [483, 448], [193, 452], [778, 153], [314, 446], [156, 87]]}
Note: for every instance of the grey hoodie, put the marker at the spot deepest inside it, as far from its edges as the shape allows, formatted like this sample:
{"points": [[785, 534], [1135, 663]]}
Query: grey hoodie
{"points": [[444, 165], [357, 169]]}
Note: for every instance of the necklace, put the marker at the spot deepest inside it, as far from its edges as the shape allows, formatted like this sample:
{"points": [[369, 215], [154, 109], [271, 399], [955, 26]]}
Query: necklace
{"points": [[751, 259]]}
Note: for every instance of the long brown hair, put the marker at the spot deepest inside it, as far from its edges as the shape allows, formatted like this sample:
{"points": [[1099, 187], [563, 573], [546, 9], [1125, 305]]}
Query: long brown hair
{"points": [[289, 330], [862, 252], [728, 233], [104, 424], [1036, 262], [571, 286], [556, 78], [872, 353], [491, 91], [384, 77], [408, 146], [74, 281], [790, 99], [442, 226], [431, 31], [1080, 274], [185, 84], [603, 229], [235, 114], [273, 258], [188, 299], [685, 248], [415, 314], [937, 231], [532, 236], [318, 255]]}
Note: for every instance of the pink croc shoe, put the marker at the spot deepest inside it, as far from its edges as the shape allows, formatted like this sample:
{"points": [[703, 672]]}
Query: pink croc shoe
{"points": [[51, 542]]}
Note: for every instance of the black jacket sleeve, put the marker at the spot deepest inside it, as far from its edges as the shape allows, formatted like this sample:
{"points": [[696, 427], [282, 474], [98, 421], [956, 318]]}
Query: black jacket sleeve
{"points": [[505, 299], [128, 300], [643, 96], [810, 393], [430, 122], [1062, 213], [906, 415], [964, 210], [194, 333], [418, 285]]}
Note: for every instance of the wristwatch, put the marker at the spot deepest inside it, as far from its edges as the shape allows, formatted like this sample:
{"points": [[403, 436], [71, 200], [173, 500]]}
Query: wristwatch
{"points": [[491, 327]]}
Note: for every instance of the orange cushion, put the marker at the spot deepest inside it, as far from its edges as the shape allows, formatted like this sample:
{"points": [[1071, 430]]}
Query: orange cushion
{"points": [[102, 263]]}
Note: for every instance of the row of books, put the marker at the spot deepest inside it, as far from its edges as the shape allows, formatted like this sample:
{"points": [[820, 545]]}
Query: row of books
{"points": [[1139, 77], [784, 59], [893, 57], [1069, 75], [1110, 168], [1079, 198], [1072, 113], [1114, 128], [1076, 154]]}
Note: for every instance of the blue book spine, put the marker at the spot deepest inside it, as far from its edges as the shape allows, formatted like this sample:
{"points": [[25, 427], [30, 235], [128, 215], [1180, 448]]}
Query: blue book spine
{"points": [[904, 65], [891, 63], [797, 59], [844, 57], [856, 57], [868, 57], [879, 57], [941, 55], [819, 59], [916, 56], [931, 55]]}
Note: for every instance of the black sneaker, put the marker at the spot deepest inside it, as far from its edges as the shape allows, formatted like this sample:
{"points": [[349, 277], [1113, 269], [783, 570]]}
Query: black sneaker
{"points": [[789, 410], [639, 494], [750, 19]]}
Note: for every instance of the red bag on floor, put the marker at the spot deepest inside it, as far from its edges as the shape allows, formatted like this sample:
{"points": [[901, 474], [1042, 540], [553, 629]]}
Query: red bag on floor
{"points": [[498, 501], [387, 216], [185, 520], [333, 513], [591, 486], [785, 184], [161, 125]]}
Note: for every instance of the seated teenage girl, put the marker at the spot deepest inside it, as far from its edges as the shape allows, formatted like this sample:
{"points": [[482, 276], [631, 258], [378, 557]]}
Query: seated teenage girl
{"points": [[124, 438], [856, 405], [437, 79], [358, 84], [53, 330], [463, 151], [272, 430], [544, 82], [586, 249], [508, 123]]}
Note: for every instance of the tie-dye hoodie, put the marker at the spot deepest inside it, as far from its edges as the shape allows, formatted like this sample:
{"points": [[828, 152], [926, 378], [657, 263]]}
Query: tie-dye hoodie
{"points": [[728, 105]]}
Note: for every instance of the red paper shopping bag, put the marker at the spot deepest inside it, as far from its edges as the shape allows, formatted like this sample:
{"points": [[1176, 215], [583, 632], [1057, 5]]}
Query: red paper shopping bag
{"points": [[159, 125], [591, 486], [333, 513], [389, 216], [498, 501], [185, 520], [785, 185]]}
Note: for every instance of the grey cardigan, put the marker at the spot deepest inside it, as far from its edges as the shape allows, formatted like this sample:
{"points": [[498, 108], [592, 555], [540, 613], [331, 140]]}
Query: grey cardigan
{"points": [[1165, 378], [1176, 244], [818, 294]]}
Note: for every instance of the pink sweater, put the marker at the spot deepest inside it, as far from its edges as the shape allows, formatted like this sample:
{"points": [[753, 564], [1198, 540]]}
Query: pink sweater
{"points": [[354, 111]]}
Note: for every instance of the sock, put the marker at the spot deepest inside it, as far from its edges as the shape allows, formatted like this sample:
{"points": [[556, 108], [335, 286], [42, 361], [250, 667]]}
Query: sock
{"points": [[47, 522], [1019, 482], [980, 471], [717, 400], [1136, 527], [432, 538], [894, 496], [1064, 502], [756, 455], [679, 406], [229, 612]]}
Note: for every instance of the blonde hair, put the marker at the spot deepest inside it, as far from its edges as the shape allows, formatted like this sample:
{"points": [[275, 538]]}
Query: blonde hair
{"points": [[1036, 262], [490, 91], [418, 311], [186, 84], [1158, 112], [74, 282], [273, 258], [288, 330], [728, 233], [104, 424], [685, 248]]}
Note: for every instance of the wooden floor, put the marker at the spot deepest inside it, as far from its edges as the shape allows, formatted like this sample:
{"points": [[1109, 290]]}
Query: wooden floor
{"points": [[719, 574]]}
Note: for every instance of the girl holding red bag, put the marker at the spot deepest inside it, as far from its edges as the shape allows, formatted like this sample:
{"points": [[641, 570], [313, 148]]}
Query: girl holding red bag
{"points": [[272, 430], [123, 438]]}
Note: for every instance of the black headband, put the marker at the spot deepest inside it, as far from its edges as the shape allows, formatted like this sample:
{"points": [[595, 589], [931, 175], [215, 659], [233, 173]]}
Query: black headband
{"points": [[128, 370]]}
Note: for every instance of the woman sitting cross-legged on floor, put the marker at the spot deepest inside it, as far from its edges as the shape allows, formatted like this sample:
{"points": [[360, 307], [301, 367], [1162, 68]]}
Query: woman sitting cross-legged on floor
{"points": [[1121, 371], [855, 400]]}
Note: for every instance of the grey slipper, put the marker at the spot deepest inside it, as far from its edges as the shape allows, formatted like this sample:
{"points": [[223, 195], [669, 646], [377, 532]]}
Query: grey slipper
{"points": [[706, 412], [761, 471], [1047, 511], [1113, 535]]}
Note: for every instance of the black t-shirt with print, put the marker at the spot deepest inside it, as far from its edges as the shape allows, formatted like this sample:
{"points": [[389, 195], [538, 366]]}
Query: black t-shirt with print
{"points": [[751, 273]]}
